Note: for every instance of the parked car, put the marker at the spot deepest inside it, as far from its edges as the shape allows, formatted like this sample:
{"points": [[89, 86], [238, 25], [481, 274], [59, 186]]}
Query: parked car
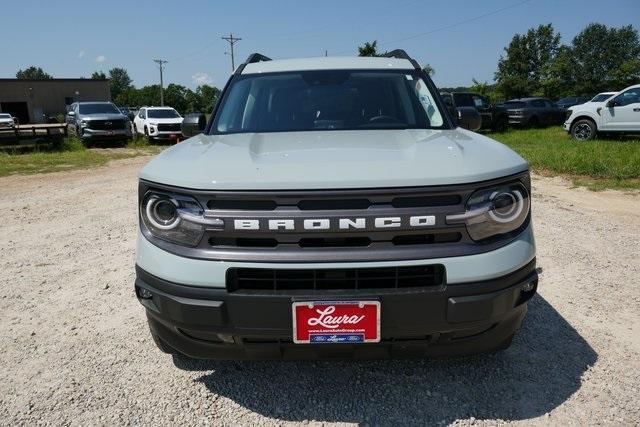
{"points": [[533, 112], [93, 121], [494, 117], [333, 208], [7, 121], [565, 103], [158, 123], [619, 113]]}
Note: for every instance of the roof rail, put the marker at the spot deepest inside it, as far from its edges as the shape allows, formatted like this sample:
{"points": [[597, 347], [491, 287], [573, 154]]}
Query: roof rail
{"points": [[253, 58], [401, 54]]}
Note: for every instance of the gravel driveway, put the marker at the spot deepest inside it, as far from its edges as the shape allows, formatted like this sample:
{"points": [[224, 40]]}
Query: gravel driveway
{"points": [[76, 349]]}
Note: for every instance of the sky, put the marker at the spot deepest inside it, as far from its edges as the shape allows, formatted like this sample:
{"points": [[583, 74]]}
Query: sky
{"points": [[461, 39]]}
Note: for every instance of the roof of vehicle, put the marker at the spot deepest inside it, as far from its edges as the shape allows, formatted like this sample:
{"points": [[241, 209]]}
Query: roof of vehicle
{"points": [[328, 63], [159, 108], [93, 102]]}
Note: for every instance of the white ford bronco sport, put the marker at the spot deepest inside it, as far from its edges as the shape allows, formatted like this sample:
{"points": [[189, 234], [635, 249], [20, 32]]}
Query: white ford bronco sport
{"points": [[333, 207]]}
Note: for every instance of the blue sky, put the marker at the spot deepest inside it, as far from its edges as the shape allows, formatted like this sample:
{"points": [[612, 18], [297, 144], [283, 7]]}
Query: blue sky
{"points": [[74, 38]]}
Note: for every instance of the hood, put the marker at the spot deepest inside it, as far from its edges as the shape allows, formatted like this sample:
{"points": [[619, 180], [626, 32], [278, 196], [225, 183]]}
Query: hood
{"points": [[332, 160], [112, 116]]}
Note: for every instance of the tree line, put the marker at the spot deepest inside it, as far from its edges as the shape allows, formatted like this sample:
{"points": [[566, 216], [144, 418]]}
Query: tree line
{"points": [[535, 63]]}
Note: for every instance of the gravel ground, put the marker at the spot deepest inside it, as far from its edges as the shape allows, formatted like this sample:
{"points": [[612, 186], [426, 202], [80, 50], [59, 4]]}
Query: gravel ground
{"points": [[76, 349]]}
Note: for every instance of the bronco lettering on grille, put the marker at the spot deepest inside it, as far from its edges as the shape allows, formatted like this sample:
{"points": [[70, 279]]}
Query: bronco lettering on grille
{"points": [[391, 222]]}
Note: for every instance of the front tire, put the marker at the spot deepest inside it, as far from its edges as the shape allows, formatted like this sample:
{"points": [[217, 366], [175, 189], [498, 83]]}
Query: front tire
{"points": [[583, 130]]}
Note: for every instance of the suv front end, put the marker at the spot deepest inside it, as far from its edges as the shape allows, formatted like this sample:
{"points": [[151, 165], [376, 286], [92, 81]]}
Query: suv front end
{"points": [[446, 257], [99, 121]]}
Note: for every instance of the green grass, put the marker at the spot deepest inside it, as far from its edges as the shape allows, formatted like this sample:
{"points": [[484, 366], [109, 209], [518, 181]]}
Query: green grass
{"points": [[598, 164], [71, 154]]}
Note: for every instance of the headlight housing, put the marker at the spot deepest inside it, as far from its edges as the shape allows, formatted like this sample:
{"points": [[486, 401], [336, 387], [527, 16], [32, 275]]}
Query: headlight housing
{"points": [[84, 123], [166, 216], [495, 211]]}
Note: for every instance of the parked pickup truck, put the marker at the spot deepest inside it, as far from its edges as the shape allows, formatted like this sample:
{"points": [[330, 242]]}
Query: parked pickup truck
{"points": [[332, 207], [620, 113], [494, 117]]}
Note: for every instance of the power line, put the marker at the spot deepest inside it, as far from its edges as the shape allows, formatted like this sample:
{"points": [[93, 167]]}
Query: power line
{"points": [[457, 24], [193, 53], [447, 27], [161, 63], [232, 40]]}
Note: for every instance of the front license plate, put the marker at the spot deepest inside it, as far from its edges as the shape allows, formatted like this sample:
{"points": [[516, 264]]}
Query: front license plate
{"points": [[336, 322]]}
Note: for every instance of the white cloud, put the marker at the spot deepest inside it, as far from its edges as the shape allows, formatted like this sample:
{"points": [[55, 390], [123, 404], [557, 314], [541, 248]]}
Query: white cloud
{"points": [[202, 79], [101, 58], [81, 54]]}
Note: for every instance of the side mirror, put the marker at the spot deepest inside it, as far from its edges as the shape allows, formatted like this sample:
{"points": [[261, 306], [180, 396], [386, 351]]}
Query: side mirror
{"points": [[611, 103], [193, 124], [71, 113], [468, 118]]}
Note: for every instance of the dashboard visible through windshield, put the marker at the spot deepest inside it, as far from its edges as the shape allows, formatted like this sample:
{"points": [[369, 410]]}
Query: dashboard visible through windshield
{"points": [[327, 100]]}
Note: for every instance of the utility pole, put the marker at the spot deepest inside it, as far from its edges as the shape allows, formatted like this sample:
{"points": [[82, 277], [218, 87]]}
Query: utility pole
{"points": [[232, 40], [161, 63]]}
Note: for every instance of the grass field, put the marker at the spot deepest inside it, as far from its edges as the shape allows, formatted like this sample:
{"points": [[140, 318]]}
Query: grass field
{"points": [[598, 164], [72, 154]]}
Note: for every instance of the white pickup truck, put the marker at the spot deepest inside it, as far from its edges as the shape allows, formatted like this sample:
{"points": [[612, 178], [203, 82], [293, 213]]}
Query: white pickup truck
{"points": [[618, 113]]}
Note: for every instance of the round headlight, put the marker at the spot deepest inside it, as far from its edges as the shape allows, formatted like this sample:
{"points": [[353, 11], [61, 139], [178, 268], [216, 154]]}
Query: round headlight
{"points": [[162, 213], [507, 206], [495, 211]]}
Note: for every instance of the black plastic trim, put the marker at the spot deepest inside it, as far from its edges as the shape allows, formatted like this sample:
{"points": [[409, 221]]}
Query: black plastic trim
{"points": [[456, 319]]}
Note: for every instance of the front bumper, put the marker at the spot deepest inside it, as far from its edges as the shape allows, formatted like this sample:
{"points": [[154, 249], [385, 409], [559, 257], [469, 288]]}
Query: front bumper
{"points": [[165, 134], [93, 134], [567, 126], [452, 319], [518, 120]]}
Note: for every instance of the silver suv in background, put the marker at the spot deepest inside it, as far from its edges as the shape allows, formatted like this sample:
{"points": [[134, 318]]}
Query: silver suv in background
{"points": [[92, 121]]}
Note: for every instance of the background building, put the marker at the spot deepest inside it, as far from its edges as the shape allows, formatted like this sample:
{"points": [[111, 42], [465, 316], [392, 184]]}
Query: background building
{"points": [[31, 100]]}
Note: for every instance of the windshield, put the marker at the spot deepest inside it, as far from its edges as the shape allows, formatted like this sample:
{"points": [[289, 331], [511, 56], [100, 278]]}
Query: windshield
{"points": [[515, 104], [327, 100], [165, 113], [98, 108], [5, 116], [601, 97]]}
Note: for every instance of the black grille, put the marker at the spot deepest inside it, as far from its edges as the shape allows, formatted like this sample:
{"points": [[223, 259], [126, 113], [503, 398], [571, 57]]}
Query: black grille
{"points": [[267, 279], [106, 124], [169, 127]]}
